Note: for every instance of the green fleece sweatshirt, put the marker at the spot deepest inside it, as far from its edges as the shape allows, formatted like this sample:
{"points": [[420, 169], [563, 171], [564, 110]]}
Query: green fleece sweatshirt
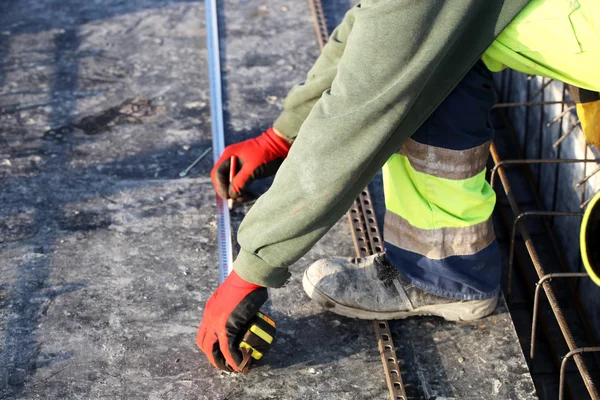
{"points": [[384, 71]]}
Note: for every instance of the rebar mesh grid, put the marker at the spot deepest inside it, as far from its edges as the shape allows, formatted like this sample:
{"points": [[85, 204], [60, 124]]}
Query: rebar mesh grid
{"points": [[534, 99]]}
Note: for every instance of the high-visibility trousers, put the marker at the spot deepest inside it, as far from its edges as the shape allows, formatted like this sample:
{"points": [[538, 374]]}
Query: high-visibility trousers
{"points": [[438, 231]]}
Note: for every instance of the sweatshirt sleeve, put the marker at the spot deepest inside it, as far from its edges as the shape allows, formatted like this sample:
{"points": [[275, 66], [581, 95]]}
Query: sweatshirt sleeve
{"points": [[303, 97], [402, 58]]}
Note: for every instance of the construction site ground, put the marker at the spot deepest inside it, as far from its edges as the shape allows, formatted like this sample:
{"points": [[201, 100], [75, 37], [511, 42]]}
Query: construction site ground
{"points": [[107, 256]]}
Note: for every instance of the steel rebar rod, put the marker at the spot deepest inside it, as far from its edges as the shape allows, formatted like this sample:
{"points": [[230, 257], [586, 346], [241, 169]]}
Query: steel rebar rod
{"points": [[367, 241], [559, 116], [566, 134], [564, 363], [513, 235], [530, 104], [536, 299], [585, 179], [556, 309], [541, 89], [504, 163], [585, 203]]}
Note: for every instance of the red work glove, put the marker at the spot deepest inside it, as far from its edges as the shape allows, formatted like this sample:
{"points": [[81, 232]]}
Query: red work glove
{"points": [[225, 320], [256, 158]]}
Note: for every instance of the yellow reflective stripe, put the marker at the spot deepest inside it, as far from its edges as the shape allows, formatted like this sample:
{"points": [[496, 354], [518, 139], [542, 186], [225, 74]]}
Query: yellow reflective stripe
{"points": [[257, 355], [440, 243], [261, 334], [429, 202], [446, 163]]}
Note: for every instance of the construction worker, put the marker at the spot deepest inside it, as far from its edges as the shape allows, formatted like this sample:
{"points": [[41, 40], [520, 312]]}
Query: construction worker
{"points": [[406, 86]]}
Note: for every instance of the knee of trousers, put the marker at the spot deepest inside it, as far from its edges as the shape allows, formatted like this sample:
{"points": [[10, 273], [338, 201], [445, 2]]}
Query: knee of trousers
{"points": [[438, 228], [437, 179]]}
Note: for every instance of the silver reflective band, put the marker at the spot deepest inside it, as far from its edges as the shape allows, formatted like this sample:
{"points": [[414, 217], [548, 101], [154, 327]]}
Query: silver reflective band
{"points": [[446, 163], [439, 243]]}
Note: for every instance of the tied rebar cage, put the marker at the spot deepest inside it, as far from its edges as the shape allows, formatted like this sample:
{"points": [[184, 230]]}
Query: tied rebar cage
{"points": [[537, 176]]}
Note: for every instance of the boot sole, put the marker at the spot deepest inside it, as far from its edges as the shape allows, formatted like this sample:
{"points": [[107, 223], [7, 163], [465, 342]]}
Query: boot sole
{"points": [[459, 311]]}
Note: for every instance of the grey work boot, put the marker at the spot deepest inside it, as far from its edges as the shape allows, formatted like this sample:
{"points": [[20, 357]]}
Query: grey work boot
{"points": [[372, 288]]}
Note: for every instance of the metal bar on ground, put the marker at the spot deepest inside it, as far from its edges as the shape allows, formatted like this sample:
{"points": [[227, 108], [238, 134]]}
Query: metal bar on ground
{"points": [[218, 136], [367, 241], [196, 161]]}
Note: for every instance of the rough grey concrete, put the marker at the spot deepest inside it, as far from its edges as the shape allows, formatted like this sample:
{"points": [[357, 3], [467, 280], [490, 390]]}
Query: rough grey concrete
{"points": [[464, 360], [107, 257]]}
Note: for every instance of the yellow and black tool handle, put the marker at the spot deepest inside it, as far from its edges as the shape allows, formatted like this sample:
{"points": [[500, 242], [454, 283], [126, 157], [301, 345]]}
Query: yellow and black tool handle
{"points": [[257, 340]]}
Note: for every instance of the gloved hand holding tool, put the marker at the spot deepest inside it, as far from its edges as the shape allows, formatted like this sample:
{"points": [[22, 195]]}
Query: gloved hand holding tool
{"points": [[257, 158], [232, 330]]}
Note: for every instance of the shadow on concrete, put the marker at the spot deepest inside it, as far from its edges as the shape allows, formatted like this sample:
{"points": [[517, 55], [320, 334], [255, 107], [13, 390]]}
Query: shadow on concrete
{"points": [[417, 376], [20, 348], [318, 340], [30, 296]]}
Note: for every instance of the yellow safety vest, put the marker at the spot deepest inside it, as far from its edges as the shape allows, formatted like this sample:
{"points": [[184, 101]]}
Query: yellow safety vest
{"points": [[558, 39]]}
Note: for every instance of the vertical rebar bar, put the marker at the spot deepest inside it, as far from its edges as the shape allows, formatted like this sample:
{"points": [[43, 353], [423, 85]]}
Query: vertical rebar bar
{"points": [[536, 300], [554, 305]]}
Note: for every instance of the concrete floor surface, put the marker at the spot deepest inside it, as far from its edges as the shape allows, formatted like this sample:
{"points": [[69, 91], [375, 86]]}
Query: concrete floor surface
{"points": [[107, 257]]}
